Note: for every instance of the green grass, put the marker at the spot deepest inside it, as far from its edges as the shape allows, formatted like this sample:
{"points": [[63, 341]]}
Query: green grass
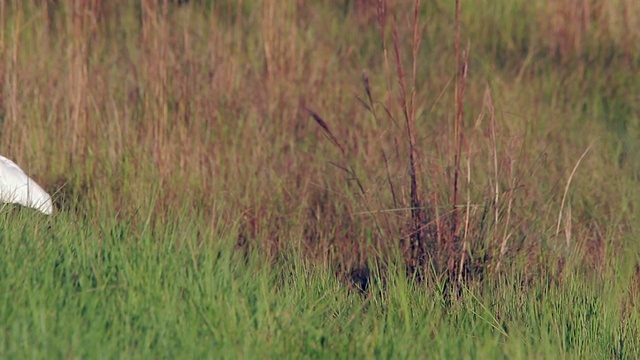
{"points": [[73, 291], [202, 212]]}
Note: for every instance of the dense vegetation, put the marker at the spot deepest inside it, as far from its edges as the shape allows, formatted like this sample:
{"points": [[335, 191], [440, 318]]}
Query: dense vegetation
{"points": [[322, 178]]}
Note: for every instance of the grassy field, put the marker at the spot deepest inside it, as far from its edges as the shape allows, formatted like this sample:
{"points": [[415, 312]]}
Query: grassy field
{"points": [[327, 179]]}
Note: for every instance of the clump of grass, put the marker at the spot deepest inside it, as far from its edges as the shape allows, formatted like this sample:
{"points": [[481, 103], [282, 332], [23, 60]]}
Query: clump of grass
{"points": [[487, 234]]}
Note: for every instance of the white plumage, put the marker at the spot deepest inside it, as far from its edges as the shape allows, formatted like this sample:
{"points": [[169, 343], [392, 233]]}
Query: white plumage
{"points": [[16, 187]]}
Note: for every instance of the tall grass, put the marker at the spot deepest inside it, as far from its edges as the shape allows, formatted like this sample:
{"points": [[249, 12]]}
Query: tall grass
{"points": [[476, 196], [114, 290]]}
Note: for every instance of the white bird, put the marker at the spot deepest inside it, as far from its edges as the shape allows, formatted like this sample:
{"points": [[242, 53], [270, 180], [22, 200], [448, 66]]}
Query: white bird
{"points": [[16, 187]]}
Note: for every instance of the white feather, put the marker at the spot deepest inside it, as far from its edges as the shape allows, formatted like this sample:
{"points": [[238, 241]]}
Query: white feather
{"points": [[16, 187]]}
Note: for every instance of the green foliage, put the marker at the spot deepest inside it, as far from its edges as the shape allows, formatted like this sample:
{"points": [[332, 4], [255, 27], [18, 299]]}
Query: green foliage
{"points": [[203, 213], [70, 290]]}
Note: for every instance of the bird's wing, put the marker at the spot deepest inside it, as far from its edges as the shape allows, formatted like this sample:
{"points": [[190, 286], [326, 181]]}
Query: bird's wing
{"points": [[9, 169], [17, 187]]}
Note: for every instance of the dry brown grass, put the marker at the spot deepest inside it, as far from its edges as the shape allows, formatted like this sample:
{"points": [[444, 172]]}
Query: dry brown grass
{"points": [[154, 106]]}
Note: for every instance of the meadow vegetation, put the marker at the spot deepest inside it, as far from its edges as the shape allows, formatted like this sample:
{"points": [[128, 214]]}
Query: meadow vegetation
{"points": [[334, 178]]}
